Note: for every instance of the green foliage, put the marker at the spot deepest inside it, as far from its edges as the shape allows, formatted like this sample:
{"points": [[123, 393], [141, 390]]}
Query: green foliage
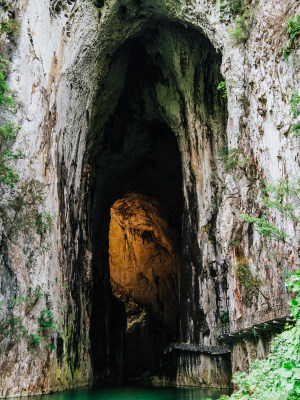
{"points": [[10, 27], [245, 276], [233, 159], [16, 301], [232, 7], [278, 377], [51, 346], [224, 317], [13, 328], [46, 321], [38, 293], [46, 324], [222, 88], [8, 130], [234, 242], [20, 213], [237, 6], [31, 297], [265, 228], [43, 222], [293, 28], [293, 31], [295, 105], [296, 130], [8, 135], [283, 196], [5, 98], [242, 15], [243, 24], [35, 340], [230, 158], [294, 284], [295, 111], [248, 280]]}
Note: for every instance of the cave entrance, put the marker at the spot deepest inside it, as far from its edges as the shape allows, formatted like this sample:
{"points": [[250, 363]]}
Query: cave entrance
{"points": [[137, 242], [144, 268], [156, 128]]}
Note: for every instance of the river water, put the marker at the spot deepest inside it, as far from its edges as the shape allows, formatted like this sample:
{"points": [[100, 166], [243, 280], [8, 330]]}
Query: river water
{"points": [[134, 393]]}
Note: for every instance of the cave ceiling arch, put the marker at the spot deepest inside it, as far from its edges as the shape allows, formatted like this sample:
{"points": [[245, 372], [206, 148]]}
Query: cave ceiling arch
{"points": [[160, 76], [156, 126]]}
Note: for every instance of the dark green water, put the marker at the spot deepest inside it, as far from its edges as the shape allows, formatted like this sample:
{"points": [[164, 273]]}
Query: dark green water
{"points": [[134, 393]]}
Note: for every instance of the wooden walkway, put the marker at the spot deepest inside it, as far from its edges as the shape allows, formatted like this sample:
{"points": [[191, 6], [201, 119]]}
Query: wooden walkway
{"points": [[195, 348], [267, 319]]}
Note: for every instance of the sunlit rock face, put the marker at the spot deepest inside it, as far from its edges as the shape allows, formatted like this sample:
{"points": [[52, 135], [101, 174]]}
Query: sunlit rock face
{"points": [[144, 264], [119, 97]]}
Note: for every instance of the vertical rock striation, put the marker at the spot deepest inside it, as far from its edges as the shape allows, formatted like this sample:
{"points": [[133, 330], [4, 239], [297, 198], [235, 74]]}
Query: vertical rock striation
{"points": [[121, 96]]}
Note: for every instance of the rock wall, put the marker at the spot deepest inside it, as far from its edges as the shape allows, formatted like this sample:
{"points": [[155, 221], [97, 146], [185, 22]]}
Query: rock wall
{"points": [[74, 70], [201, 371]]}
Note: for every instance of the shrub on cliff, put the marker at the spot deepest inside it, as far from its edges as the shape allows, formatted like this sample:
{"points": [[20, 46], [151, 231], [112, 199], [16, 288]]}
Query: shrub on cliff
{"points": [[8, 131], [278, 377], [293, 32]]}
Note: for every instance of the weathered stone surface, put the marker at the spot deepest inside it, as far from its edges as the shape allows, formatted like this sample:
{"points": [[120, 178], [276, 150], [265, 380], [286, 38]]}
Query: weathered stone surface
{"points": [[74, 70], [203, 371]]}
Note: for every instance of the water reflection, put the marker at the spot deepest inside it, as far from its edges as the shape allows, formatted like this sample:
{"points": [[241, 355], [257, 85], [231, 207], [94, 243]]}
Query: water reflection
{"points": [[133, 393]]}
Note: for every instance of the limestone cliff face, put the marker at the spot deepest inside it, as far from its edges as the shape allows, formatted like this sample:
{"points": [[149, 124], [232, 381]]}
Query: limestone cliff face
{"points": [[121, 96]]}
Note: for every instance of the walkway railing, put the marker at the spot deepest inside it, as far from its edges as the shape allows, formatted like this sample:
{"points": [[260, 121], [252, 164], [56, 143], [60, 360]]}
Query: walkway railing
{"points": [[195, 348], [264, 319]]}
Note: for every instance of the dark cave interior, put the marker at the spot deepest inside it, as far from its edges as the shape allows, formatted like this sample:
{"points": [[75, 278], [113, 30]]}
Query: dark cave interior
{"points": [[136, 161]]}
